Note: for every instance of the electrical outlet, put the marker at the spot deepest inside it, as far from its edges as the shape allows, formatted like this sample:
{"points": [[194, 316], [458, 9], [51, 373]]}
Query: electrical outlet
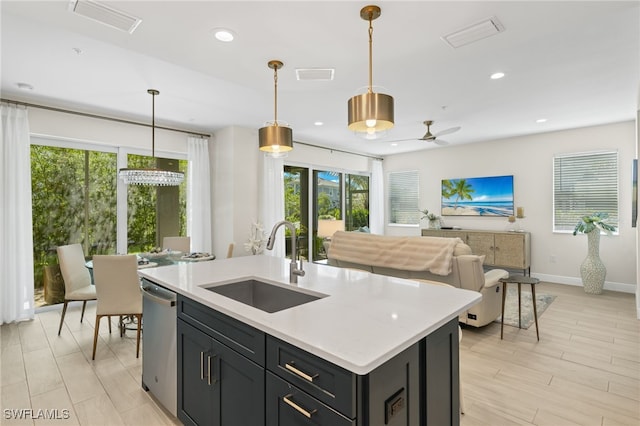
{"points": [[552, 258], [393, 405]]}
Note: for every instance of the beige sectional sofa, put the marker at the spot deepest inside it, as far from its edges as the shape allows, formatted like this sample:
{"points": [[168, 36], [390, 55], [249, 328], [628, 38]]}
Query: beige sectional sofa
{"points": [[445, 260]]}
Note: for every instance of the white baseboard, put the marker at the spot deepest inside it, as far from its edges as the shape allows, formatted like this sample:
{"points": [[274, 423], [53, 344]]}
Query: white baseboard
{"points": [[608, 285]]}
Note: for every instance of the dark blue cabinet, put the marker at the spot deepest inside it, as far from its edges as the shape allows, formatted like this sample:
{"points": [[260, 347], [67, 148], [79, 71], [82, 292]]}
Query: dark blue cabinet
{"points": [[216, 385], [230, 373]]}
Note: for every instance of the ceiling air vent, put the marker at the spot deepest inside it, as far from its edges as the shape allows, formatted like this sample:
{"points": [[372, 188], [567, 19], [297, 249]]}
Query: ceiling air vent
{"points": [[482, 29], [314, 74], [104, 14]]}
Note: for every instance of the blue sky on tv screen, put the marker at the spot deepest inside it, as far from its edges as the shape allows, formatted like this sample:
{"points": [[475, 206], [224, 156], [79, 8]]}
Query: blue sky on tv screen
{"points": [[488, 189]]}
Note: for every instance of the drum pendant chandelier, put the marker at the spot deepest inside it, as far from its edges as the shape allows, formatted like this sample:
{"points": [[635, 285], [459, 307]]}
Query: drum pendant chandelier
{"points": [[275, 139], [370, 113], [152, 177]]}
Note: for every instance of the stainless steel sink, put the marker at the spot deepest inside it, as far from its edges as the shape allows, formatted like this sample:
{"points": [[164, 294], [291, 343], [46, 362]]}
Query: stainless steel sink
{"points": [[267, 297]]}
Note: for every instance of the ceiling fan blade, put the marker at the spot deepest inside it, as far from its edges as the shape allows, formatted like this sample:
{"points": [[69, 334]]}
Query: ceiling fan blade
{"points": [[447, 131], [403, 140], [440, 142]]}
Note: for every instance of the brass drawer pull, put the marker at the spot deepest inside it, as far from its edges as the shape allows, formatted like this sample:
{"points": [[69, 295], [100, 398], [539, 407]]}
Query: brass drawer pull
{"points": [[298, 408], [302, 374]]}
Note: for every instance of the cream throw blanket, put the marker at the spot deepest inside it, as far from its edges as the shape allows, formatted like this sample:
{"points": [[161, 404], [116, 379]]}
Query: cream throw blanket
{"points": [[431, 254]]}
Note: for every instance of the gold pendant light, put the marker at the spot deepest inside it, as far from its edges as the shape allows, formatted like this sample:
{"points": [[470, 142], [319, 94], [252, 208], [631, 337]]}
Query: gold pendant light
{"points": [[153, 177], [275, 138], [370, 113]]}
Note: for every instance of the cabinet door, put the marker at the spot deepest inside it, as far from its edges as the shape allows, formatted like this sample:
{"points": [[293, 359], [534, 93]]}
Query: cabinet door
{"points": [[432, 233], [194, 391], [510, 250], [238, 388], [216, 385], [482, 244]]}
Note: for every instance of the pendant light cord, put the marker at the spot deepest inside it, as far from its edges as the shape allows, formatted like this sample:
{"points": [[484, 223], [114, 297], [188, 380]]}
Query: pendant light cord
{"points": [[275, 96], [370, 52], [153, 125]]}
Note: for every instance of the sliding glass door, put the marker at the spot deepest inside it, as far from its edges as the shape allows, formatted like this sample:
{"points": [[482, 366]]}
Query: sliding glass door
{"points": [[337, 201], [75, 200], [296, 207], [155, 212]]}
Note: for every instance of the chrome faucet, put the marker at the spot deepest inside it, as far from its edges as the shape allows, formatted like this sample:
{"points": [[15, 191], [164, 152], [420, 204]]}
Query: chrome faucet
{"points": [[294, 272]]}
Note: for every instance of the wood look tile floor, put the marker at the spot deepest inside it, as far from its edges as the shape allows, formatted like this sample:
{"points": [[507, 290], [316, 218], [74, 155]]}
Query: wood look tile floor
{"points": [[585, 370], [43, 371]]}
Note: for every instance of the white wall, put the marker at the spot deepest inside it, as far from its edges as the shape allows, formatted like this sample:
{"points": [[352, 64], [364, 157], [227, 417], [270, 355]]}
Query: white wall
{"points": [[319, 157], [235, 186], [236, 181], [530, 160], [105, 132]]}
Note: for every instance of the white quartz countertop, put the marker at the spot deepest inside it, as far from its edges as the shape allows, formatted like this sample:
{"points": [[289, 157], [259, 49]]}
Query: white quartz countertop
{"points": [[364, 321]]}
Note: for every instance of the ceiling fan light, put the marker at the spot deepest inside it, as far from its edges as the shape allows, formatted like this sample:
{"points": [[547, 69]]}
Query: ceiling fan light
{"points": [[370, 108]]}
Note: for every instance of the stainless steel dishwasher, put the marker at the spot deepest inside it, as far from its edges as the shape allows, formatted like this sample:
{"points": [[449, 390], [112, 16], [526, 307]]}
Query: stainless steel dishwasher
{"points": [[159, 352]]}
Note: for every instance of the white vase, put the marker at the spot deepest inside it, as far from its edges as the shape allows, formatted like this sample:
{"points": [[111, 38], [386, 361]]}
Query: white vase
{"points": [[434, 223], [592, 269]]}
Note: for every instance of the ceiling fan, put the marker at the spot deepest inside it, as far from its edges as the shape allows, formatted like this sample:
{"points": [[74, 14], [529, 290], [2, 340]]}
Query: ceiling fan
{"points": [[429, 137]]}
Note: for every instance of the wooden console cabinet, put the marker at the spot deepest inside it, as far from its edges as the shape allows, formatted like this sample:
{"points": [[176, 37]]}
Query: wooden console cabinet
{"points": [[511, 250]]}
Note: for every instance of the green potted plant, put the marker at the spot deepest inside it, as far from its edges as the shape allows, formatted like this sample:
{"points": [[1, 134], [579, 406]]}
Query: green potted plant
{"points": [[592, 270]]}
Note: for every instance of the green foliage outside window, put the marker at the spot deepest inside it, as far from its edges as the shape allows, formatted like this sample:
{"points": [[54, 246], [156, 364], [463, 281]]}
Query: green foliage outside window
{"points": [[73, 201], [74, 197]]}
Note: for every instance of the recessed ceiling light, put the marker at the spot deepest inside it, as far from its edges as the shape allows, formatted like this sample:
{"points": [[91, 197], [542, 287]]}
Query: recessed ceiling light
{"points": [[497, 75], [24, 86], [223, 34], [541, 120], [394, 144], [318, 123]]}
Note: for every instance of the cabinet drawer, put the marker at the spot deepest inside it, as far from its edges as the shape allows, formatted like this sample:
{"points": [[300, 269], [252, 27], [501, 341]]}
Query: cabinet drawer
{"points": [[240, 337], [288, 406], [323, 380]]}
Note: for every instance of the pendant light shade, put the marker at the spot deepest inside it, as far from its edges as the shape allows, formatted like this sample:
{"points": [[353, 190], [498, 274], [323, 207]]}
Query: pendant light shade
{"points": [[275, 138], [152, 177], [370, 113]]}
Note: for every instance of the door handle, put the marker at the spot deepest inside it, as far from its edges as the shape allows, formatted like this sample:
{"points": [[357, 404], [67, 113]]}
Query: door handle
{"points": [[201, 365], [298, 408], [209, 370]]}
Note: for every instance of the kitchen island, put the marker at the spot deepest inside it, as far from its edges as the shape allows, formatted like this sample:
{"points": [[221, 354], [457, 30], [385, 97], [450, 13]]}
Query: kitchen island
{"points": [[385, 348]]}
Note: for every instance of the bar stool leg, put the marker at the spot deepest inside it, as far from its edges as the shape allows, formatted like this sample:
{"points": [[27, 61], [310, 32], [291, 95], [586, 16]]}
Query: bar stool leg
{"points": [[535, 309], [504, 295]]}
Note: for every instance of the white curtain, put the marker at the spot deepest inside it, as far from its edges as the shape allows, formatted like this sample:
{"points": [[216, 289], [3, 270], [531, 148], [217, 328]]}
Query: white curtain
{"points": [[16, 240], [199, 194], [272, 200], [376, 201]]}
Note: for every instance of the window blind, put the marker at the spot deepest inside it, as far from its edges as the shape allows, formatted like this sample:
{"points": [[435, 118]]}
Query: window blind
{"points": [[584, 184], [403, 198]]}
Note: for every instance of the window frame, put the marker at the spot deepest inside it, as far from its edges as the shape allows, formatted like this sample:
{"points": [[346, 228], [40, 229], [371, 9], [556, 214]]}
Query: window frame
{"points": [[121, 155], [406, 211], [611, 185]]}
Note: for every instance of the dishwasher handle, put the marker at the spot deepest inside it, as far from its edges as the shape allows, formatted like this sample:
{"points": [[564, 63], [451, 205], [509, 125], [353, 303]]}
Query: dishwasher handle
{"points": [[159, 300]]}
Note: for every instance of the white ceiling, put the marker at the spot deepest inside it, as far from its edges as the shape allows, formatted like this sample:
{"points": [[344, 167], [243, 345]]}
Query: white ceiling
{"points": [[574, 63]]}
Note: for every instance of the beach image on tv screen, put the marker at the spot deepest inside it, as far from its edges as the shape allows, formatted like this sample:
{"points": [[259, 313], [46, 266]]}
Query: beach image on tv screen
{"points": [[481, 196]]}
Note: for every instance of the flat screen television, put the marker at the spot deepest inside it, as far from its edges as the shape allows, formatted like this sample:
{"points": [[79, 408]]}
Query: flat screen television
{"points": [[478, 196]]}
